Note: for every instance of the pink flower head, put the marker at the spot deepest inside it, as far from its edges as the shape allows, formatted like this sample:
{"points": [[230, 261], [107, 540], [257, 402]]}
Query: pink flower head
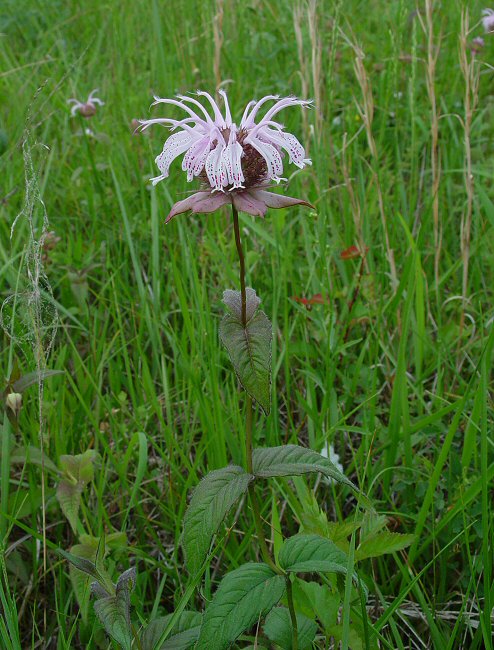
{"points": [[235, 163], [88, 108], [477, 44], [488, 20]]}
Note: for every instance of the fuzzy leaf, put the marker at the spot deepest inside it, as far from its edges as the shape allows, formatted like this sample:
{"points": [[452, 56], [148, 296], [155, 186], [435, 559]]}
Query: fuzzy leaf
{"points": [[292, 460], [243, 597], [114, 614], [31, 378], [69, 498], [249, 348], [278, 628], [306, 553], [233, 301], [78, 472], [183, 635], [89, 567], [81, 579], [211, 502], [383, 543]]}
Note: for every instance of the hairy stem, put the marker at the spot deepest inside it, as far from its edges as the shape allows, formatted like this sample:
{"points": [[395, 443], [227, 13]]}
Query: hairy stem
{"points": [[249, 412], [293, 616], [242, 264]]}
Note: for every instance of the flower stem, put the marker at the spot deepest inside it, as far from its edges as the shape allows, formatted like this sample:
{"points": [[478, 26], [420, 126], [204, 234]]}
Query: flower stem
{"points": [[242, 265], [293, 616], [249, 413]]}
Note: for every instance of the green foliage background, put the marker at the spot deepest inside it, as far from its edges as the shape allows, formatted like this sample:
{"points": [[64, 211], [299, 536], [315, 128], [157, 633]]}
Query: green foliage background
{"points": [[401, 389]]}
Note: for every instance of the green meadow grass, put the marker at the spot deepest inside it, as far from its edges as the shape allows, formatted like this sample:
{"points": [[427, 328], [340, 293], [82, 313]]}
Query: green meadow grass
{"points": [[395, 372]]}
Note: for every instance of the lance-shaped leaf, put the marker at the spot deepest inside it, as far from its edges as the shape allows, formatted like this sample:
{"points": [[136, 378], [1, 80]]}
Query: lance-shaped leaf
{"points": [[278, 628], [307, 553], [33, 455], [114, 611], [31, 378], [183, 634], [211, 502], [89, 567], [249, 347], [292, 460], [243, 597]]}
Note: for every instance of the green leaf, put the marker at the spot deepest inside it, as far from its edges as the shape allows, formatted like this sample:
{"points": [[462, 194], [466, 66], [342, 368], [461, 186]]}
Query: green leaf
{"points": [[69, 498], [31, 378], [306, 553], [382, 543], [249, 347], [114, 611], [278, 628], [211, 502], [243, 597], [317, 600], [89, 567], [81, 579], [33, 455], [292, 460], [113, 614], [183, 635], [78, 472], [233, 302]]}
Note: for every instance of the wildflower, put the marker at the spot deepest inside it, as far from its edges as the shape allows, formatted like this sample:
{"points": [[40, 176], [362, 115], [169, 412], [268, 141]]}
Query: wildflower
{"points": [[87, 109], [236, 164], [13, 401], [488, 20], [328, 452], [477, 44]]}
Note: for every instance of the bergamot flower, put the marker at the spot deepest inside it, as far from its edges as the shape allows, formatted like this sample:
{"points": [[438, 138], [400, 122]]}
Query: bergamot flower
{"points": [[236, 164], [87, 108]]}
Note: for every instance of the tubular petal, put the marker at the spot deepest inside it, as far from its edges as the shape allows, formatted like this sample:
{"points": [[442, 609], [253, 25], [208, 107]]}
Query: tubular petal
{"points": [[248, 120], [232, 162], [218, 117], [271, 155], [187, 109], [228, 115], [195, 157], [175, 145], [214, 168]]}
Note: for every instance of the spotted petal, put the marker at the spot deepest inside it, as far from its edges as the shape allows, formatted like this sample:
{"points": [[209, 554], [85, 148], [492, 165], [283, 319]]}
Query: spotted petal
{"points": [[173, 147], [289, 143], [195, 158], [215, 169], [271, 155], [232, 162]]}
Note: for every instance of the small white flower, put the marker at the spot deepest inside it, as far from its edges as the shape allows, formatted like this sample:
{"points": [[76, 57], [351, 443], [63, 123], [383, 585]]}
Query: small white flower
{"points": [[328, 452], [13, 401]]}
